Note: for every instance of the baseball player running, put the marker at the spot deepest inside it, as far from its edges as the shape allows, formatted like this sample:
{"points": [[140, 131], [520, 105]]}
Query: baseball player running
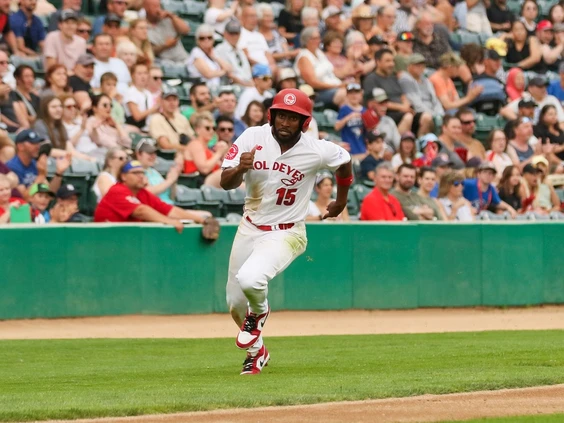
{"points": [[279, 163]]}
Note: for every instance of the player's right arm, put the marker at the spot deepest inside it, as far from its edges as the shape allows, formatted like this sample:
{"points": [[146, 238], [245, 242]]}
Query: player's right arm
{"points": [[232, 177]]}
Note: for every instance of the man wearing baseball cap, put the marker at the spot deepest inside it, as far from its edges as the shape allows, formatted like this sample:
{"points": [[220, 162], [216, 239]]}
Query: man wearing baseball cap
{"points": [[550, 50], [262, 79], [349, 121], [129, 201], [229, 51], [66, 207], [375, 149], [375, 117], [80, 81], [170, 128], [404, 49], [64, 46], [331, 15], [482, 194]]}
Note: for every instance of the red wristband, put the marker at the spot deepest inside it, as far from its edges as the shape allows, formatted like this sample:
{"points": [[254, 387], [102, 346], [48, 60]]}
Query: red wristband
{"points": [[344, 182]]}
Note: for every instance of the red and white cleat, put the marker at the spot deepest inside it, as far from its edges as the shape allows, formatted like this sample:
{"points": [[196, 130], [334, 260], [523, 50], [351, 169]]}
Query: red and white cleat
{"points": [[254, 365], [251, 329]]}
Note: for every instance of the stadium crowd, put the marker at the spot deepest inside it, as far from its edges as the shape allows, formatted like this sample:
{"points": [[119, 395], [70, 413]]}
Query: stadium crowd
{"points": [[451, 110]]}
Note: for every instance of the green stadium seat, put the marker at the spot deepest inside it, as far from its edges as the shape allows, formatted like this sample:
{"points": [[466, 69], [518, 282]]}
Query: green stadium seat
{"points": [[469, 38], [188, 42], [163, 166], [514, 6], [194, 9], [85, 167], [235, 201], [455, 38], [211, 194], [485, 124], [360, 191], [353, 206], [186, 198], [166, 154], [190, 180], [135, 138]]}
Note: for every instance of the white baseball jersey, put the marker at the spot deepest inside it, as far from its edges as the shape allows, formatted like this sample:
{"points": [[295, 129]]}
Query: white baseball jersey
{"points": [[279, 186]]}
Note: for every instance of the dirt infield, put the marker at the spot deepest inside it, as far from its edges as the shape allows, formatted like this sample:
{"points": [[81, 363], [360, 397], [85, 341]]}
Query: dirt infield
{"points": [[427, 408], [289, 323]]}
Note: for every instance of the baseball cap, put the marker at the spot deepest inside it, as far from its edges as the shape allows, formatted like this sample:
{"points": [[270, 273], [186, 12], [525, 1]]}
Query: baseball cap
{"points": [[131, 165], [527, 101], [68, 14], [486, 165], [374, 135], [260, 70], [29, 135], [441, 160], [529, 168], [377, 40], [544, 25], [539, 159], [491, 54], [146, 145], [415, 59], [408, 136], [233, 27], [538, 81], [112, 17], [286, 73], [35, 188], [377, 94], [85, 59], [330, 11], [354, 87], [67, 191], [406, 36], [307, 90], [168, 91], [498, 45], [426, 139], [474, 162], [559, 27]]}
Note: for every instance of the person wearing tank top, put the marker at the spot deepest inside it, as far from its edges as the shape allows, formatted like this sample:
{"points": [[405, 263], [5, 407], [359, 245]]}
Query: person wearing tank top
{"points": [[519, 148]]}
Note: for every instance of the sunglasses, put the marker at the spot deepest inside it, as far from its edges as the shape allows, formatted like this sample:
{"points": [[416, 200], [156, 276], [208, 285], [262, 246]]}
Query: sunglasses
{"points": [[157, 78], [225, 129], [84, 31], [266, 78], [208, 128], [209, 37], [458, 183], [70, 106], [467, 122]]}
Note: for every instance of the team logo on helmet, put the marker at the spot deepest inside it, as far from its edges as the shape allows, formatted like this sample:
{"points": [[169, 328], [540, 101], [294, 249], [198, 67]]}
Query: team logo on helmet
{"points": [[290, 99]]}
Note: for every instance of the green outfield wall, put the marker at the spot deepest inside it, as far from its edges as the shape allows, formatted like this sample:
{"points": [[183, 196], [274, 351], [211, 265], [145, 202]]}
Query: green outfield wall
{"points": [[92, 270]]}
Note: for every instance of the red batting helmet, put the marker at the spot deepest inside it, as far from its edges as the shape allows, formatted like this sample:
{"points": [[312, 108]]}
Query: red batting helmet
{"points": [[293, 100]]}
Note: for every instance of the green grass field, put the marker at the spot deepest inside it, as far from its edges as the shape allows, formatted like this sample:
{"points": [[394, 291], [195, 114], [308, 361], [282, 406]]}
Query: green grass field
{"points": [[101, 377], [549, 418]]}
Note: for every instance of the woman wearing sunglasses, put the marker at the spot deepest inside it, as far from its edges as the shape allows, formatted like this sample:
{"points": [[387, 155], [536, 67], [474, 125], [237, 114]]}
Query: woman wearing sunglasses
{"points": [[102, 128], [198, 157], [75, 125], [115, 159], [456, 207], [203, 62]]}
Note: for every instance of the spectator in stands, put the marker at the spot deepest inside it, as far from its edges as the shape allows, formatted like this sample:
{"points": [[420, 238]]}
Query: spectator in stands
{"points": [[344, 67], [64, 46], [456, 207], [116, 9], [200, 100], [102, 128], [523, 50], [539, 198], [420, 92], [317, 71], [376, 43], [526, 107], [556, 87], [56, 81], [115, 158], [102, 49], [203, 62], [444, 86], [476, 17], [515, 86], [431, 41], [520, 149], [28, 169], [235, 57], [262, 78], [55, 18], [375, 118], [556, 14], [287, 78], [482, 194], [500, 16], [251, 41], [363, 20], [357, 50], [404, 49], [218, 14], [28, 29], [255, 115], [139, 103], [529, 14], [75, 126], [224, 129], [349, 120], [146, 154], [473, 56], [129, 201], [428, 182], [332, 18], [155, 84], [108, 86], [497, 154], [324, 190], [198, 157], [548, 131], [165, 30], [385, 17], [310, 17], [429, 145], [407, 151], [66, 208], [171, 130], [6, 199], [493, 96], [7, 37], [84, 31], [80, 81], [127, 52], [277, 44], [39, 198], [226, 105], [138, 34], [468, 125], [405, 16], [7, 114], [413, 205], [25, 101], [551, 46], [380, 204], [289, 21], [450, 144], [510, 188]]}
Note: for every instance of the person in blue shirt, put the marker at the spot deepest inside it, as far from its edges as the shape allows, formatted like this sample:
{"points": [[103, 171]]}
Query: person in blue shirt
{"points": [[349, 121], [117, 7], [28, 29], [482, 194], [375, 146], [555, 88]]}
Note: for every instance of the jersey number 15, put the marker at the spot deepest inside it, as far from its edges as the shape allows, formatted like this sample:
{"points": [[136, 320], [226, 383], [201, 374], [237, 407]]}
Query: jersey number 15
{"points": [[286, 196]]}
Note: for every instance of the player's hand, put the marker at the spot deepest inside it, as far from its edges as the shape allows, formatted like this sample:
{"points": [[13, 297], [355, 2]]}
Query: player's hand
{"points": [[247, 160], [334, 209]]}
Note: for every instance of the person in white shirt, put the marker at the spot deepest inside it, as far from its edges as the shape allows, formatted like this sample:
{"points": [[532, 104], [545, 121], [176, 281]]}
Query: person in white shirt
{"points": [[279, 163], [102, 49], [228, 50], [139, 102], [218, 15], [253, 42], [262, 78]]}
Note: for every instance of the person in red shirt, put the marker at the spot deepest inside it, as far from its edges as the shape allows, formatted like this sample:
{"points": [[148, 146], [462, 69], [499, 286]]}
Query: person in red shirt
{"points": [[129, 201], [379, 204], [6, 199]]}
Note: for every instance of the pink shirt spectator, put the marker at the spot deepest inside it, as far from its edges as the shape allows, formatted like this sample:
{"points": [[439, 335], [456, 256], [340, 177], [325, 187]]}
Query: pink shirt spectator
{"points": [[63, 51]]}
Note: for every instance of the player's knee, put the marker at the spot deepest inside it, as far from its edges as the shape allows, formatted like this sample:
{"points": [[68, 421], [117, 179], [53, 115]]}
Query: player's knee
{"points": [[250, 280]]}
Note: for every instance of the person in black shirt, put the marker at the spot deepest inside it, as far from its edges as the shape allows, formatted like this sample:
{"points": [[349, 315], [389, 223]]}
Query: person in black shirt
{"points": [[80, 81], [500, 16], [289, 22], [548, 129], [510, 189]]}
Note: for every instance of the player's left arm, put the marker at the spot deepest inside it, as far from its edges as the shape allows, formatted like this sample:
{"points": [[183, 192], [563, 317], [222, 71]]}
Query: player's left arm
{"points": [[344, 179]]}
